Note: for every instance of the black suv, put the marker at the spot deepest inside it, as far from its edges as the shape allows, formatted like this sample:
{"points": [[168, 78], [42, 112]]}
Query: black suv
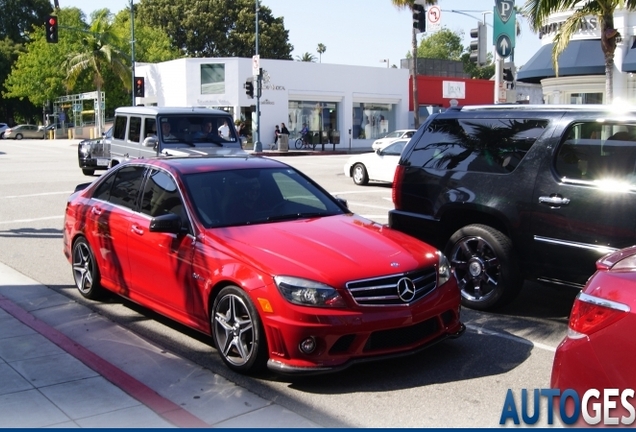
{"points": [[514, 192]]}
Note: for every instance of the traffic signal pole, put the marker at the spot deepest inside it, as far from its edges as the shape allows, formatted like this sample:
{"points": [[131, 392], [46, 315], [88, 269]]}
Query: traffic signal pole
{"points": [[258, 146]]}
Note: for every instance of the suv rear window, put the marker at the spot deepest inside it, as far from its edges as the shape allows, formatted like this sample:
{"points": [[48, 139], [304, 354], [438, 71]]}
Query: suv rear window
{"points": [[476, 145]]}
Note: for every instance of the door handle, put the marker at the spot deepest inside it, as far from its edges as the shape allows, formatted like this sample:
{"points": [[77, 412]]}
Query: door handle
{"points": [[137, 230], [554, 200], [96, 211]]}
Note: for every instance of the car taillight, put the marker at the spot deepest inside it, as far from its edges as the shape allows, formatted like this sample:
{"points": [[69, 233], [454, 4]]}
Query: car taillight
{"points": [[397, 184], [591, 314]]}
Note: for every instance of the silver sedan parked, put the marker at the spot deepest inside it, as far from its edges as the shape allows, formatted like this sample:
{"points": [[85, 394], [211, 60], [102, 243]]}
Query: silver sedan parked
{"points": [[24, 131]]}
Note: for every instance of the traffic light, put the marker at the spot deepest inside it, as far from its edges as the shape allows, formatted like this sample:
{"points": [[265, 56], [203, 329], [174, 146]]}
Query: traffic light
{"points": [[140, 90], [508, 76], [478, 48], [419, 18], [50, 26], [249, 89]]}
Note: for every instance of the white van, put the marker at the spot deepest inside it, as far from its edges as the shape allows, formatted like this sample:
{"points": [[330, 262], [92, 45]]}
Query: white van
{"points": [[141, 132]]}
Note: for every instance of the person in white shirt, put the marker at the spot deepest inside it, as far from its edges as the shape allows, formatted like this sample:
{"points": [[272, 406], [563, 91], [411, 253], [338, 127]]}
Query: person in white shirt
{"points": [[224, 130]]}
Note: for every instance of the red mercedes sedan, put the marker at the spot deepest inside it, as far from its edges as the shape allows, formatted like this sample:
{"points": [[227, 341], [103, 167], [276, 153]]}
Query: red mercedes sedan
{"points": [[256, 254], [599, 349]]}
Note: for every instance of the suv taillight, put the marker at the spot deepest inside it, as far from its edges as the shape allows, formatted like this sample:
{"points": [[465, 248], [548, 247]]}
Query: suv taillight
{"points": [[397, 184], [591, 314]]}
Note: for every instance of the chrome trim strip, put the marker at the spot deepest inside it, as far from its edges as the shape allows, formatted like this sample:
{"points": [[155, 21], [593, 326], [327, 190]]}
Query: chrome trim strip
{"points": [[587, 298], [598, 248]]}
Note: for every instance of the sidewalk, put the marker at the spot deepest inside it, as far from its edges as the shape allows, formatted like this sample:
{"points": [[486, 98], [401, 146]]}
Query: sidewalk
{"points": [[63, 365]]}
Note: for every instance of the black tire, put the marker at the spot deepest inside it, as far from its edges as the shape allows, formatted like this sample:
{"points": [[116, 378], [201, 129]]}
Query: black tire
{"points": [[85, 271], [18, 136], [298, 144], [238, 332], [485, 266], [359, 174], [88, 172]]}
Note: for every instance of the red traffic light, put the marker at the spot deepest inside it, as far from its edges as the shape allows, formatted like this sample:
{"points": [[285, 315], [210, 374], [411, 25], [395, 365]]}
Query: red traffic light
{"points": [[51, 28]]}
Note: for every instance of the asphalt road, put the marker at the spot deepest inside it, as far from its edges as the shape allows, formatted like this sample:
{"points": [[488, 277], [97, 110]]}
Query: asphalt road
{"points": [[458, 383]]}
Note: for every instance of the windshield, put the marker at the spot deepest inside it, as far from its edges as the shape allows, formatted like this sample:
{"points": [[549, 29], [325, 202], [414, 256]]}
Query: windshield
{"points": [[197, 130], [250, 196]]}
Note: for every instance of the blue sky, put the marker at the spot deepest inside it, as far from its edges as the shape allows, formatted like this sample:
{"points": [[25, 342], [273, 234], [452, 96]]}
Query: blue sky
{"points": [[359, 32]]}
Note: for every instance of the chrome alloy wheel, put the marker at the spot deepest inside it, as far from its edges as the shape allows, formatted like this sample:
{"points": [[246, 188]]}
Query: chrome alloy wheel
{"points": [[83, 268], [234, 330]]}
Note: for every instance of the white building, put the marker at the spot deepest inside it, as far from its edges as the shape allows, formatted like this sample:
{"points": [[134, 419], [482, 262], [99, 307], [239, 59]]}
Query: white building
{"points": [[357, 103], [581, 77]]}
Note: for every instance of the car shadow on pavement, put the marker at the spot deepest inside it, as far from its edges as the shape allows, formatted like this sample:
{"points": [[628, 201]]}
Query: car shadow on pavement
{"points": [[471, 356]]}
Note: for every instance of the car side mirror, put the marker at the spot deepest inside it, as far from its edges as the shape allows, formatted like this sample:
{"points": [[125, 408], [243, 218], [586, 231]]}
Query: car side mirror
{"points": [[168, 223], [150, 142]]}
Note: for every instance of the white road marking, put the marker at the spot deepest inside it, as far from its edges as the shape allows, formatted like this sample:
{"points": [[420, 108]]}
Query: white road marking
{"points": [[32, 220], [37, 195]]}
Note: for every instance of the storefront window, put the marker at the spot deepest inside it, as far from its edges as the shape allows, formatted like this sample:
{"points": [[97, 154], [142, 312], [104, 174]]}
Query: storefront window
{"points": [[372, 120], [213, 78], [586, 98], [320, 117]]}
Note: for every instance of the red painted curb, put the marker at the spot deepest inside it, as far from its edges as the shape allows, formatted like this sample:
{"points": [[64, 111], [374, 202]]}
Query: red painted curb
{"points": [[167, 409]]}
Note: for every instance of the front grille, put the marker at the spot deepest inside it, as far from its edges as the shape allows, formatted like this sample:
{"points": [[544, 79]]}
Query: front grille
{"points": [[383, 291], [399, 337]]}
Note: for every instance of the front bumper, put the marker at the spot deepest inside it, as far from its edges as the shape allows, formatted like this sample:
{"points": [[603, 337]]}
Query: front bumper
{"points": [[346, 337]]}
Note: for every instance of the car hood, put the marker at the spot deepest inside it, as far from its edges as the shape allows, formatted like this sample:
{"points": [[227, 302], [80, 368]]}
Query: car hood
{"points": [[333, 249], [201, 151]]}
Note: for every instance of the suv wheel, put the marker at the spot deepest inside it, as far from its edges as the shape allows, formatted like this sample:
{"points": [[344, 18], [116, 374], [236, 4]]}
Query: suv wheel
{"points": [[485, 266]]}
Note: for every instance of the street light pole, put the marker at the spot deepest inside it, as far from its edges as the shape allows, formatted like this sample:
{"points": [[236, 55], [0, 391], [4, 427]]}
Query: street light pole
{"points": [[258, 146], [132, 51]]}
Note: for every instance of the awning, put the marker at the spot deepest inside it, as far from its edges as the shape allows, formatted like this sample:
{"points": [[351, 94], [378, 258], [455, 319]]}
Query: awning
{"points": [[580, 57]]}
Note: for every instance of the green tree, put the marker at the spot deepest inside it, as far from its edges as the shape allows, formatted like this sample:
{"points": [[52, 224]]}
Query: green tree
{"points": [[538, 11], [19, 16], [444, 44], [479, 72], [321, 50], [218, 28], [306, 57], [152, 45], [401, 4], [37, 74], [101, 51]]}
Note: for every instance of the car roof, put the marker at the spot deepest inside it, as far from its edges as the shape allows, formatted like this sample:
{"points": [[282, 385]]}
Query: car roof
{"points": [[154, 111], [197, 164]]}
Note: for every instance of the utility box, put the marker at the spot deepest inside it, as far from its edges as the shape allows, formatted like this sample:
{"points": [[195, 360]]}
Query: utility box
{"points": [[283, 142]]}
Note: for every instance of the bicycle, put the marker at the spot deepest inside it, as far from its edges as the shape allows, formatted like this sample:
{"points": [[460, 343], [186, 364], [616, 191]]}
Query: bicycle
{"points": [[303, 143]]}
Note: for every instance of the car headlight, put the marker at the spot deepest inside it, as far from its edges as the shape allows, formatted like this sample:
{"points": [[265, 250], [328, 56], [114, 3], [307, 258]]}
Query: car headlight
{"points": [[443, 269], [306, 292], [84, 149]]}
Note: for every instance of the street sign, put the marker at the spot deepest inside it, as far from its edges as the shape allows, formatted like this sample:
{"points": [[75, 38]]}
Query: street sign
{"points": [[256, 64], [504, 27], [433, 19], [503, 46]]}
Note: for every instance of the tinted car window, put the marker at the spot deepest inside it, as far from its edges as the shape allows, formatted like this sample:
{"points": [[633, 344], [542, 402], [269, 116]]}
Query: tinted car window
{"points": [[119, 131], [596, 152], [481, 145], [161, 196], [103, 190], [126, 186], [135, 129]]}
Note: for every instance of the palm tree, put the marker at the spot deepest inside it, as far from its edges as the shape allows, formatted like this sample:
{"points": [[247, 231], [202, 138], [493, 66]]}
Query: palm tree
{"points": [[321, 50], [101, 51], [538, 11], [306, 57], [401, 4]]}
